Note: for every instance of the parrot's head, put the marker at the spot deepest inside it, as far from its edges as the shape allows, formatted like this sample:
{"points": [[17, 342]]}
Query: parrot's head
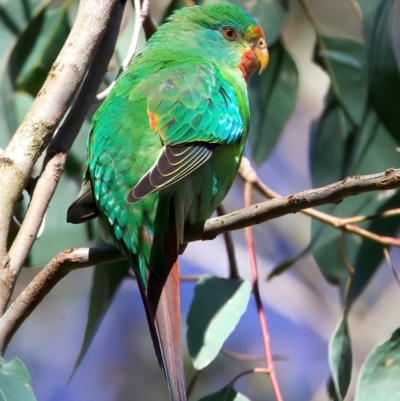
{"points": [[218, 32]]}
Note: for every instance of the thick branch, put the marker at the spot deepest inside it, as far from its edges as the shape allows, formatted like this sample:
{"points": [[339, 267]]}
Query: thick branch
{"points": [[49, 107], [344, 224], [46, 279], [78, 258], [271, 209], [55, 159]]}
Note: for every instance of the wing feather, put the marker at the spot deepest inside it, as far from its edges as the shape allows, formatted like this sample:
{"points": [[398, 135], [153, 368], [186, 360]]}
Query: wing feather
{"points": [[173, 164], [194, 110]]}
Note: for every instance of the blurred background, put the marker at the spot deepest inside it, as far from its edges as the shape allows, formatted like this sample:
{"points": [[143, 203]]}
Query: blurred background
{"points": [[302, 308]]}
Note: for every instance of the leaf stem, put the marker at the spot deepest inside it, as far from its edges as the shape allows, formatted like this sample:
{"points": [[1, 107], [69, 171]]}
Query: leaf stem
{"points": [[256, 291], [390, 264], [230, 249]]}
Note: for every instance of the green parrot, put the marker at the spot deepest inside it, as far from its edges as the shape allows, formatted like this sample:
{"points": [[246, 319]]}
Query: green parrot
{"points": [[164, 149]]}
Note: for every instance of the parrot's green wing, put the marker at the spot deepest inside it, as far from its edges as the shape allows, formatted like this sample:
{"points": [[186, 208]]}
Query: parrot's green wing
{"points": [[194, 110]]}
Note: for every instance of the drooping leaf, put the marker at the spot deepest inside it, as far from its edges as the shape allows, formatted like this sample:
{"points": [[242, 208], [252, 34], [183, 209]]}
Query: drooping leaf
{"points": [[272, 99], [345, 62], [217, 307], [106, 280], [340, 360], [228, 393], [379, 376], [338, 151], [288, 263], [51, 37], [383, 72], [14, 17], [28, 54], [15, 383], [20, 18]]}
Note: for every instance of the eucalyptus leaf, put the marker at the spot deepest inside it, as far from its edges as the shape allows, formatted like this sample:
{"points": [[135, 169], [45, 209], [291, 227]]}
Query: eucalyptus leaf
{"points": [[288, 263], [345, 62], [106, 280], [217, 307], [340, 359], [227, 393], [379, 376], [14, 17], [384, 74], [18, 19], [15, 383], [53, 33], [272, 99], [365, 150]]}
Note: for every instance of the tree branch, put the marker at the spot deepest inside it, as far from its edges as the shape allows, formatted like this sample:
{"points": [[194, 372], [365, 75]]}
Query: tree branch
{"points": [[37, 128], [46, 279], [271, 209], [67, 261], [249, 175]]}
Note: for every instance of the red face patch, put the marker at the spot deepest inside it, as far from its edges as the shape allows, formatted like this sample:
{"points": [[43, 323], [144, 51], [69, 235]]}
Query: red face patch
{"points": [[257, 31], [246, 63]]}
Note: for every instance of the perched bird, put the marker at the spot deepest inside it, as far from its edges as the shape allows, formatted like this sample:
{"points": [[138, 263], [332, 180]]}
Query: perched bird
{"points": [[164, 149]]}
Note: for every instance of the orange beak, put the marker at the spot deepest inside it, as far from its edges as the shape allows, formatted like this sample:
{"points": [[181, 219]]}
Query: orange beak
{"points": [[261, 52]]}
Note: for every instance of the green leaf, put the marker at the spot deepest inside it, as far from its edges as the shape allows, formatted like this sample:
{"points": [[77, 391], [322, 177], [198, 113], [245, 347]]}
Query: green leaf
{"points": [[288, 263], [216, 309], [384, 74], [30, 47], [227, 393], [379, 376], [340, 359], [351, 152], [53, 32], [14, 16], [345, 62], [272, 99], [271, 15], [17, 19], [106, 280], [15, 383]]}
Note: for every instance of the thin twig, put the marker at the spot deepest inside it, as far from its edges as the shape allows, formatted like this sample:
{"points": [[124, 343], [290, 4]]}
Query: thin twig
{"points": [[230, 249], [256, 291], [248, 357], [141, 12], [342, 253], [240, 356], [194, 278], [390, 264], [193, 383], [249, 372]]}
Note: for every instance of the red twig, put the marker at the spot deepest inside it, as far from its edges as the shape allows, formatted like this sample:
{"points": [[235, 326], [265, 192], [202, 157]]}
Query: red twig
{"points": [[256, 291]]}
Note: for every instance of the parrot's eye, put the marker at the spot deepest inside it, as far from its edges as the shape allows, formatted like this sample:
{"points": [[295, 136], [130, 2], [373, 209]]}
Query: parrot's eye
{"points": [[230, 33]]}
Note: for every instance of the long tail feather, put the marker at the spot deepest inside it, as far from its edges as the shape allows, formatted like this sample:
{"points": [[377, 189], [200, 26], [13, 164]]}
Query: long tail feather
{"points": [[168, 327], [161, 299]]}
